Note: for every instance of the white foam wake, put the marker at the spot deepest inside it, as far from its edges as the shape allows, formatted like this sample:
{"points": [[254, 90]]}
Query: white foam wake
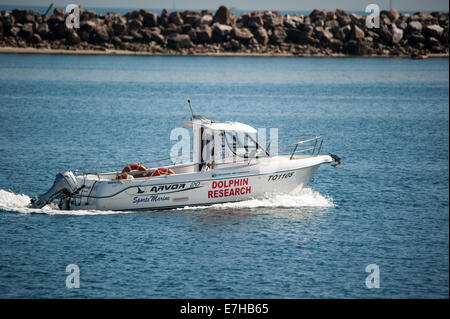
{"points": [[301, 199], [304, 198], [19, 202]]}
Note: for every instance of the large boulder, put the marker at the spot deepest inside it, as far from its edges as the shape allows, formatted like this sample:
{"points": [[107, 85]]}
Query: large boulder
{"points": [[35, 38], [221, 31], [254, 20], [397, 34], [330, 16], [335, 45], [414, 27], [7, 22], [163, 19], [59, 12], [24, 16], [179, 41], [332, 24], [152, 35], [88, 26], [172, 28], [343, 17], [192, 33], [14, 31], [111, 17], [86, 15], [317, 15], [401, 24], [72, 37], [137, 36], [323, 34], [207, 19], [272, 19], [278, 35], [356, 47], [243, 19], [27, 31], [432, 42], [433, 31], [419, 16], [158, 37], [119, 27], [385, 34], [134, 25], [242, 35], [192, 18], [175, 18], [150, 18], [261, 36], [60, 30], [393, 14], [343, 32], [204, 33], [302, 35], [56, 19], [223, 16], [100, 34], [135, 15], [294, 35], [43, 29], [145, 33], [415, 38], [293, 21], [185, 28], [357, 33]]}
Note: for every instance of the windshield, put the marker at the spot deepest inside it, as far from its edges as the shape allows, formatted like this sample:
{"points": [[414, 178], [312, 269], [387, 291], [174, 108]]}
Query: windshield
{"points": [[243, 145]]}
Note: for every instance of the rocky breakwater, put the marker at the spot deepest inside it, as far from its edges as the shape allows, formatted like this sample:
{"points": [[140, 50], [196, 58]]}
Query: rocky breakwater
{"points": [[203, 33]]}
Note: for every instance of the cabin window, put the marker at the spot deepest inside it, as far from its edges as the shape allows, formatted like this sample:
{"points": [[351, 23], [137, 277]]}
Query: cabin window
{"points": [[243, 145]]}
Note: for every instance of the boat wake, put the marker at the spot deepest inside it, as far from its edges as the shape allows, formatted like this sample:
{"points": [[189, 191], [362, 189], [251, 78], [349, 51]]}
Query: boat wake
{"points": [[302, 199], [12, 202]]}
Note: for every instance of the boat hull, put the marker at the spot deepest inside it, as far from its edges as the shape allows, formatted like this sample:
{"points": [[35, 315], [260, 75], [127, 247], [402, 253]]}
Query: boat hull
{"points": [[204, 188]]}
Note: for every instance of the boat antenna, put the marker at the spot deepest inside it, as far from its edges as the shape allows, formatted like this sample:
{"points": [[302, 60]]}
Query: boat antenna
{"points": [[190, 107], [48, 9], [196, 117]]}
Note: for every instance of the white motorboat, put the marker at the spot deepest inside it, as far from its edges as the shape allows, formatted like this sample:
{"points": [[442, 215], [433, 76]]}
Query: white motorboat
{"points": [[228, 164]]}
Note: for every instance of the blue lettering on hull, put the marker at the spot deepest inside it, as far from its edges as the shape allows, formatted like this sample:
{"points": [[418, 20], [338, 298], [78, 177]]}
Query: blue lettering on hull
{"points": [[153, 198]]}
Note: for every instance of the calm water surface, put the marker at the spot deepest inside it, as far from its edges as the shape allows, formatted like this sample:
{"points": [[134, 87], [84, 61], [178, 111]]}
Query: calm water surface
{"points": [[387, 118]]}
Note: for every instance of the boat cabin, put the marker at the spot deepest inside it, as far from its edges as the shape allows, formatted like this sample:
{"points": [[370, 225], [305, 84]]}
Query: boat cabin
{"points": [[222, 143]]}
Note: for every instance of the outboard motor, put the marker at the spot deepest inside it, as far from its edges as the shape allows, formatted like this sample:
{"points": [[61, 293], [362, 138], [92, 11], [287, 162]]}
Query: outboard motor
{"points": [[65, 184]]}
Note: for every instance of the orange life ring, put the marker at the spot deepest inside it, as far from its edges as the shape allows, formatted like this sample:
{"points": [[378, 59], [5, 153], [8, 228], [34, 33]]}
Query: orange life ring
{"points": [[134, 167], [160, 171], [131, 167]]}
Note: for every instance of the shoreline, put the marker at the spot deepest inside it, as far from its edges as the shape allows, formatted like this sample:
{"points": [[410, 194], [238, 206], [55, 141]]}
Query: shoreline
{"points": [[15, 50]]}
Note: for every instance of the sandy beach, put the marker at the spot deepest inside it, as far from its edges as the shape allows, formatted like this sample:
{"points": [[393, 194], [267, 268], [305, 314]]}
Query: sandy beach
{"points": [[12, 50]]}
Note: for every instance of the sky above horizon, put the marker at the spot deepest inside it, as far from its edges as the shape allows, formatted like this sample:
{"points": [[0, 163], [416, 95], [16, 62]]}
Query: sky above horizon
{"points": [[304, 5]]}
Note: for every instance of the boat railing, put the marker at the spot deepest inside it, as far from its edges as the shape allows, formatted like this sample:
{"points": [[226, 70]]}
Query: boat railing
{"points": [[297, 145], [114, 168], [310, 145]]}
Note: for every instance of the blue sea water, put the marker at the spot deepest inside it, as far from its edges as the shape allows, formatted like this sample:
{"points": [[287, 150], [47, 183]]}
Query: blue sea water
{"points": [[386, 118]]}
